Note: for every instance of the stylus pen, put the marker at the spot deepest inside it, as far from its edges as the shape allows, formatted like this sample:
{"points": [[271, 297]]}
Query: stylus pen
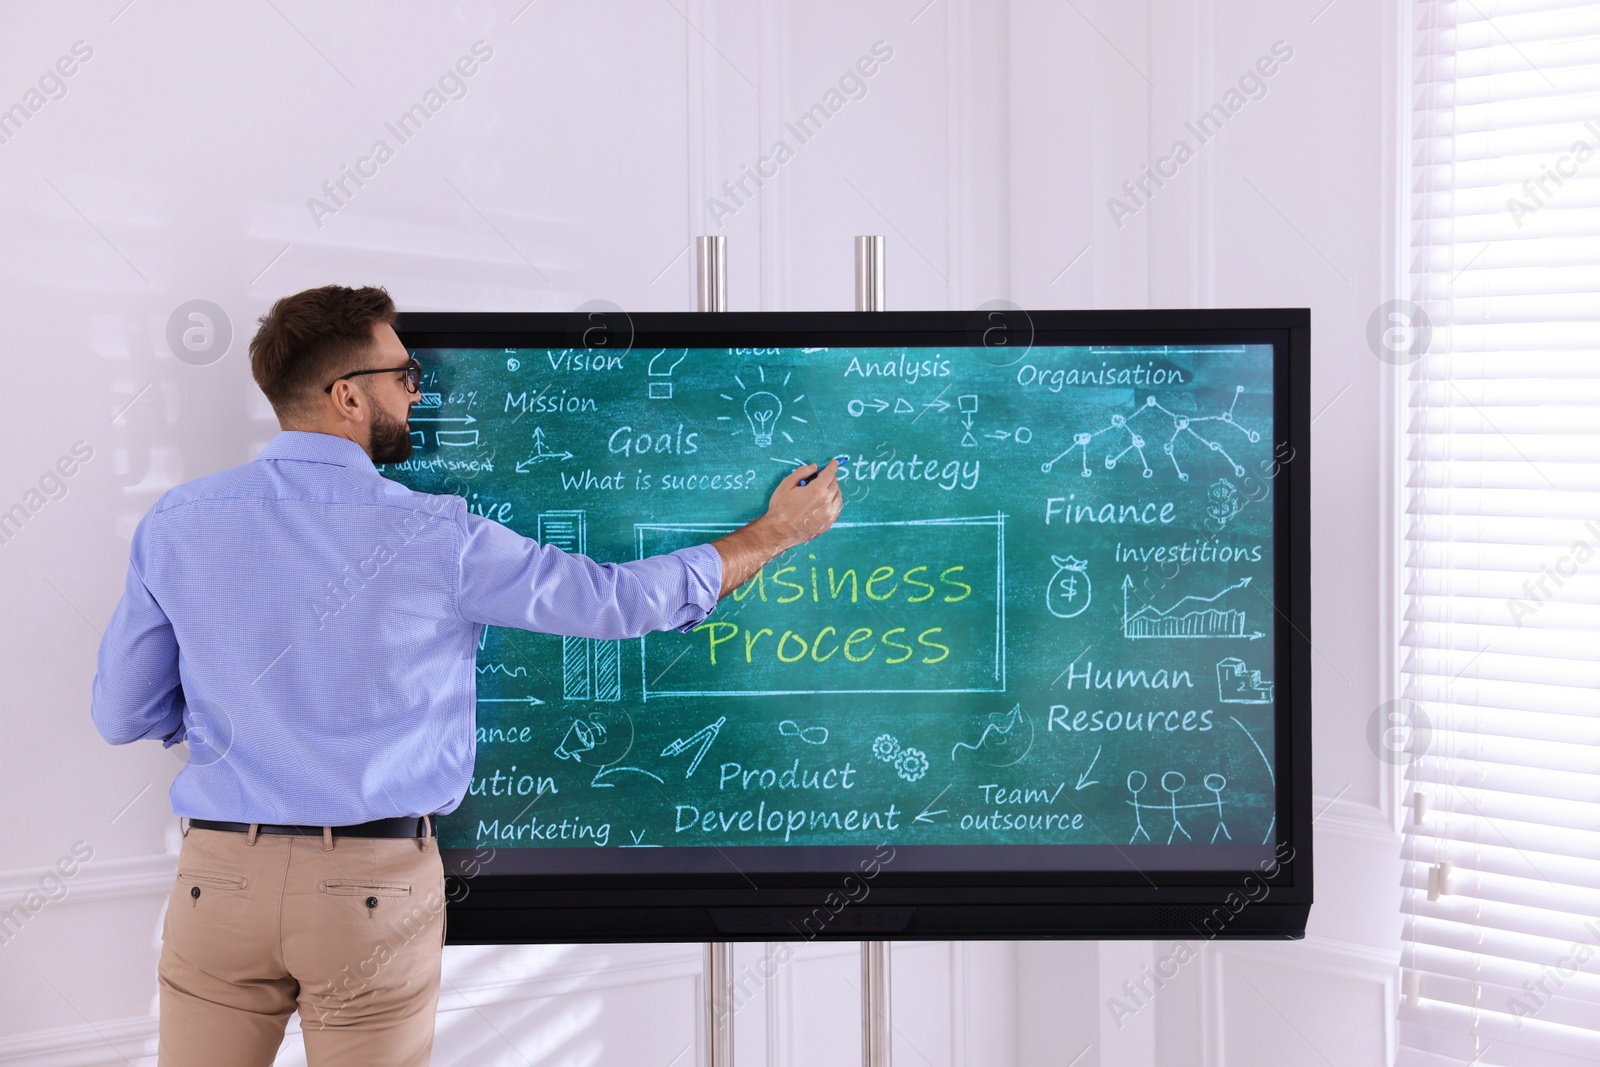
{"points": [[842, 461]]}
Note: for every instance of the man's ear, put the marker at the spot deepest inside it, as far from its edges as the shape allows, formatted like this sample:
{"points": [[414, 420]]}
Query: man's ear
{"points": [[349, 403]]}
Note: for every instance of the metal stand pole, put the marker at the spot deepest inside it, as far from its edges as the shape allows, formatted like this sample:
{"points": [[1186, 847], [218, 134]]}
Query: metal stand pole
{"points": [[719, 1003], [711, 294], [874, 1004], [869, 273], [874, 954], [711, 274]]}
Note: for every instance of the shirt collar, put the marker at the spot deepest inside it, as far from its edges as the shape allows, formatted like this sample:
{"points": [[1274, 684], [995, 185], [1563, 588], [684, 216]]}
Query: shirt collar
{"points": [[317, 448]]}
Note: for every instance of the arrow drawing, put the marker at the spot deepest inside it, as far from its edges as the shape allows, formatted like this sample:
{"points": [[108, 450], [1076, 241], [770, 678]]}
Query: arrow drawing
{"points": [[1000, 725], [530, 701], [540, 452], [588, 734], [1083, 784], [467, 420], [927, 816], [704, 736], [605, 772], [901, 406]]}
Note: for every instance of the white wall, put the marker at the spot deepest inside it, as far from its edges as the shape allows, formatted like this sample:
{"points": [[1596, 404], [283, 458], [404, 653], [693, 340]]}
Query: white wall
{"points": [[178, 166]]}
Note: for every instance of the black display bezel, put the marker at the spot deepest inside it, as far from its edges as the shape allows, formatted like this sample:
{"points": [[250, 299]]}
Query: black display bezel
{"points": [[495, 907]]}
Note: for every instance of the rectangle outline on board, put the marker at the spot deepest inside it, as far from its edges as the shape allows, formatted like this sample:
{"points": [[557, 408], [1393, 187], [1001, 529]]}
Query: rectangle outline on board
{"points": [[998, 521]]}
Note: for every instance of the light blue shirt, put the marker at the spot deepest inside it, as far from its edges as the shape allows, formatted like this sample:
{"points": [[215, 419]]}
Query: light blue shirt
{"points": [[311, 628]]}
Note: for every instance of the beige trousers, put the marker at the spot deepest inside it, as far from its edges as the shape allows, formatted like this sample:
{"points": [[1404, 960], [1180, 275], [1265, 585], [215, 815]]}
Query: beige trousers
{"points": [[260, 925]]}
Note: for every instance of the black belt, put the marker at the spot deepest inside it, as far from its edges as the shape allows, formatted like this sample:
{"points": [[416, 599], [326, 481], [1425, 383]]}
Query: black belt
{"points": [[403, 826]]}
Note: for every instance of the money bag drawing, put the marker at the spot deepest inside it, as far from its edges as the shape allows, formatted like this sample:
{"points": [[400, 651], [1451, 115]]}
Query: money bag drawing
{"points": [[1222, 502], [1069, 591]]}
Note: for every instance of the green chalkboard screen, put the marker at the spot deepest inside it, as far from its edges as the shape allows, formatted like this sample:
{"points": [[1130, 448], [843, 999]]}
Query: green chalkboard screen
{"points": [[1045, 635]]}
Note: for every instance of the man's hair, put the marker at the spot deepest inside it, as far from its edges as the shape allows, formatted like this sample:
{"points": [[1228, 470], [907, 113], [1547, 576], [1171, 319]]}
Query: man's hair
{"points": [[309, 339]]}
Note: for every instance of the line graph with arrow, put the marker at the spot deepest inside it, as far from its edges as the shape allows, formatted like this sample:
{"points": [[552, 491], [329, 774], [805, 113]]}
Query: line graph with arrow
{"points": [[1000, 732], [1190, 617]]}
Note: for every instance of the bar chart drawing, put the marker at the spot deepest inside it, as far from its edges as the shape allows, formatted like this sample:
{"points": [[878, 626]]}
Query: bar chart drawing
{"points": [[1190, 617], [591, 669]]}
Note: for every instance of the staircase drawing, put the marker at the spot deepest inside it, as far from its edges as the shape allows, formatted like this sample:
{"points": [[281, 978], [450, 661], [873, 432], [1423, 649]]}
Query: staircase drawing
{"points": [[1237, 684]]}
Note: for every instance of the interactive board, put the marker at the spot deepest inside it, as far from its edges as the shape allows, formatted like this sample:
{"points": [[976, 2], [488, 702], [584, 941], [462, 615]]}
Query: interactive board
{"points": [[1048, 641]]}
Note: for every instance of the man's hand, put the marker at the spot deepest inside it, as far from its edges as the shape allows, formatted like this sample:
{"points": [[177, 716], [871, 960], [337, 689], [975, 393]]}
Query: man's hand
{"points": [[795, 514], [804, 511]]}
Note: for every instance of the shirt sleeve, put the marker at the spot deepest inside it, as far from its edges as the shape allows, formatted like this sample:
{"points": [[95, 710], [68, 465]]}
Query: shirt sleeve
{"points": [[137, 692], [510, 580]]}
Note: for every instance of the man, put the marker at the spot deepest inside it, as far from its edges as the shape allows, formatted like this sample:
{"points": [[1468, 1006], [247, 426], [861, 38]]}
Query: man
{"points": [[310, 628]]}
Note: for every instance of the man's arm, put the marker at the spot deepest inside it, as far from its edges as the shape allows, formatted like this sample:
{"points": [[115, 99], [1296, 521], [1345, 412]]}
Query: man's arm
{"points": [[795, 515], [136, 692], [510, 580]]}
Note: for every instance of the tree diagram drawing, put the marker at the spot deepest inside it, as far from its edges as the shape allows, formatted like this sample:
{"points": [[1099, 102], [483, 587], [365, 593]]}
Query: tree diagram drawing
{"points": [[1132, 441]]}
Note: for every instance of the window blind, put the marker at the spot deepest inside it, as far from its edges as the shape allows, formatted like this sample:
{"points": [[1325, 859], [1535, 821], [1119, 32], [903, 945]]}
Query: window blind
{"points": [[1500, 558]]}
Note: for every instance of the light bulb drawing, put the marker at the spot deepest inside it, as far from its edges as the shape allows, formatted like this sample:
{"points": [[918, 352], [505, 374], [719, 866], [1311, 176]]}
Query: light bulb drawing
{"points": [[762, 409]]}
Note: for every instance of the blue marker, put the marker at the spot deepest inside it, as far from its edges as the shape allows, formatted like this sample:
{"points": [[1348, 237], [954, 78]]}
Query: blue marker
{"points": [[842, 461]]}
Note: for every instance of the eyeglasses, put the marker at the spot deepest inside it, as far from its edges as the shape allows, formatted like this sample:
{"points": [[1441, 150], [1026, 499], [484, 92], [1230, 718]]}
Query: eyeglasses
{"points": [[412, 370]]}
